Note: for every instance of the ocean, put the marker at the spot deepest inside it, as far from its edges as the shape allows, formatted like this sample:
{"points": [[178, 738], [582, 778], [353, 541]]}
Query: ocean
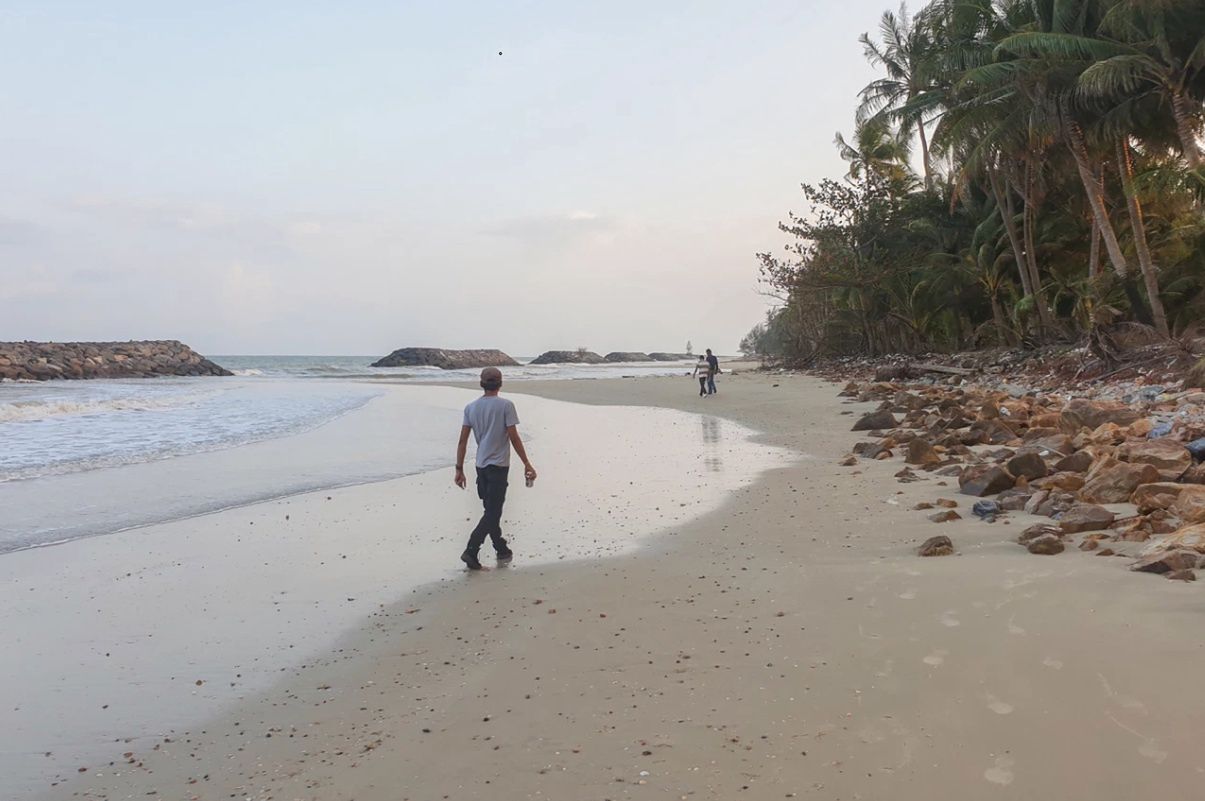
{"points": [[83, 458]]}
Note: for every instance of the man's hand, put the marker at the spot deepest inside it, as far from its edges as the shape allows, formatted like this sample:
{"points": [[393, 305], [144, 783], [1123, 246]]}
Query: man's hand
{"points": [[460, 479], [529, 473]]}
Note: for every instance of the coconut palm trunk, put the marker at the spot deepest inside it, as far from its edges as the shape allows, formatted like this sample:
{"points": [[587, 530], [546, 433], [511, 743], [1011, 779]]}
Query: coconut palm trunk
{"points": [[1096, 199], [1125, 166], [1182, 110], [1004, 202]]}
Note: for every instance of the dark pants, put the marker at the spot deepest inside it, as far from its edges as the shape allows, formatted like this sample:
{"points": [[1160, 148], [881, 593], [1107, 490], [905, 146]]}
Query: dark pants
{"points": [[491, 489], [702, 385], [711, 383]]}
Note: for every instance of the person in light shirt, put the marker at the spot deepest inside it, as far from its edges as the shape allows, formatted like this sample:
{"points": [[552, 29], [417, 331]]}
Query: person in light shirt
{"points": [[493, 422]]}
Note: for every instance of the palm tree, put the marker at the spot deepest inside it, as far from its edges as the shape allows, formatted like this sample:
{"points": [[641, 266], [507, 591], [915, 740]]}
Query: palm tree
{"points": [[904, 56], [876, 150]]}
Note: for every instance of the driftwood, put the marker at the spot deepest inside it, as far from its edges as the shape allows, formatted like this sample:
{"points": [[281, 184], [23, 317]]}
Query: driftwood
{"points": [[898, 372]]}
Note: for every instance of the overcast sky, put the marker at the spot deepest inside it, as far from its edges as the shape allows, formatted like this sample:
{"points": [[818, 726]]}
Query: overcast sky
{"points": [[326, 178]]}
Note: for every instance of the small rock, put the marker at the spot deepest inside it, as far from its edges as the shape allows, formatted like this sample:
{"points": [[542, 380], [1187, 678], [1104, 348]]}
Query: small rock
{"points": [[936, 546], [945, 516], [947, 503], [986, 509], [1045, 545]]}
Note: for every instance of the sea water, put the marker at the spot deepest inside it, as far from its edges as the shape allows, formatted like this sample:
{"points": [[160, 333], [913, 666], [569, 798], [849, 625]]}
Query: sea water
{"points": [[82, 458]]}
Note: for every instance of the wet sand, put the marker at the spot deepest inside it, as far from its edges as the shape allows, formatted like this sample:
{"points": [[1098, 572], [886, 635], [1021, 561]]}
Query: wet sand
{"points": [[788, 644]]}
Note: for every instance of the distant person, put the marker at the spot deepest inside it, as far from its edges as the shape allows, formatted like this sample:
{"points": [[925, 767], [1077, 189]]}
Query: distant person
{"points": [[701, 372], [713, 367], [493, 422]]}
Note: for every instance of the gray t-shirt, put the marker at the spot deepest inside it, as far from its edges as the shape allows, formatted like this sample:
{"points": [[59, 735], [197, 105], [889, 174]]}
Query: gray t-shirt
{"points": [[489, 416]]}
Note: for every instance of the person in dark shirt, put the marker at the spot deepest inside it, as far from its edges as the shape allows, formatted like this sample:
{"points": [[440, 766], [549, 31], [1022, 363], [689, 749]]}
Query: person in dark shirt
{"points": [[713, 367]]}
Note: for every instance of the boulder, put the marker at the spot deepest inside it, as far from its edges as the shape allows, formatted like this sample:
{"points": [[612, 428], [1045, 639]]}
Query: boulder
{"points": [[936, 546], [1167, 562], [626, 356], [568, 357], [1045, 545], [1083, 413], [1068, 482], [1052, 444], [1112, 481], [1191, 538], [980, 481], [445, 359], [1197, 449], [1160, 495], [1194, 474], [1167, 456], [1078, 462], [920, 452], [1027, 463], [1189, 505], [1085, 517], [876, 420], [1014, 500], [1186, 574]]}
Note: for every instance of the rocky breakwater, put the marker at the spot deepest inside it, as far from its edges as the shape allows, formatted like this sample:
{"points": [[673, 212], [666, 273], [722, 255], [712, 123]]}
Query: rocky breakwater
{"points": [[42, 361], [568, 357], [626, 356], [1114, 478], [445, 359], [659, 356]]}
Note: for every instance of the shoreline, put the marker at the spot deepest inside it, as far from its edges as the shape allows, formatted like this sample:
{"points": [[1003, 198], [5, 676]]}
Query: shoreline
{"points": [[264, 587], [789, 644]]}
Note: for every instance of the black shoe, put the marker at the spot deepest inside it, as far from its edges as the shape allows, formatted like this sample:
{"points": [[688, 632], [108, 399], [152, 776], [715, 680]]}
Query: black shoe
{"points": [[470, 560], [506, 556]]}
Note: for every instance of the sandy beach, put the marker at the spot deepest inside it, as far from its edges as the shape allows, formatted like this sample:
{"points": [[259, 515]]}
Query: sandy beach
{"points": [[787, 644]]}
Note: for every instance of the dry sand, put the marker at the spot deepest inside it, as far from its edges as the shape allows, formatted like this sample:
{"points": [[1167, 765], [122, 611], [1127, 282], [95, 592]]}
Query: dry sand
{"points": [[789, 644]]}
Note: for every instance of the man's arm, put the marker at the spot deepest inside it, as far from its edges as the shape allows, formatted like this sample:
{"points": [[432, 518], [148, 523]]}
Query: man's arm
{"points": [[512, 432], [462, 448]]}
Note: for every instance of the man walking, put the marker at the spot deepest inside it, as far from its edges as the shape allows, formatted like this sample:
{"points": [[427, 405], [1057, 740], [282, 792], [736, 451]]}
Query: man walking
{"points": [[493, 422], [713, 367]]}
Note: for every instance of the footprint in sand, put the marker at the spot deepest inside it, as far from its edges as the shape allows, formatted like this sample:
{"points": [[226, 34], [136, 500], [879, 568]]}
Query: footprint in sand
{"points": [[1002, 773], [908, 595], [1050, 662], [948, 619], [998, 706], [936, 658], [1013, 628]]}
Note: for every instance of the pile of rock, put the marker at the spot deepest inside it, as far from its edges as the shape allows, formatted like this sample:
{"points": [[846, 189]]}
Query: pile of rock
{"points": [[445, 359], [1057, 458], [659, 356], [568, 357], [42, 361], [626, 356]]}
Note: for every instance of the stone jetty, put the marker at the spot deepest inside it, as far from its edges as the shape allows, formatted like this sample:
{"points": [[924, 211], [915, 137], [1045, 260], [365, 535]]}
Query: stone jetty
{"points": [[568, 357], [42, 361], [626, 356], [445, 359]]}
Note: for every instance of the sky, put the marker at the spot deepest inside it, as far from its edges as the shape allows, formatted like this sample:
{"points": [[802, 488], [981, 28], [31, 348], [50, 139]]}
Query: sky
{"points": [[349, 178]]}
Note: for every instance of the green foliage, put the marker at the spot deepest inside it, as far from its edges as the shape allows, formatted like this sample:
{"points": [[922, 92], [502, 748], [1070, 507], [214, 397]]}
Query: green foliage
{"points": [[1062, 183]]}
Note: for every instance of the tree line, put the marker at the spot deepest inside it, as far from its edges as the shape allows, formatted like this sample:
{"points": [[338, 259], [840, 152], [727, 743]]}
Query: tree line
{"points": [[1060, 190]]}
